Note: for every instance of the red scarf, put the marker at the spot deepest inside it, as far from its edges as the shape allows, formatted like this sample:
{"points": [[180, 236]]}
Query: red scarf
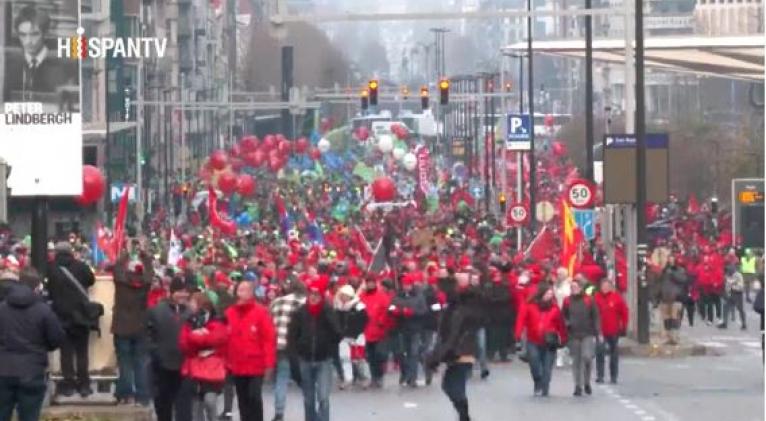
{"points": [[315, 309]]}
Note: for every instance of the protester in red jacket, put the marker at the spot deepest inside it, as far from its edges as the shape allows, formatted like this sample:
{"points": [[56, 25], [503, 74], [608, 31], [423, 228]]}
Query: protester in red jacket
{"points": [[203, 343], [614, 322], [710, 283], [543, 324], [251, 349], [377, 302]]}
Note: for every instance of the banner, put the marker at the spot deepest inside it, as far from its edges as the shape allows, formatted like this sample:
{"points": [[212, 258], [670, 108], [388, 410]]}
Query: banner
{"points": [[424, 163], [40, 101]]}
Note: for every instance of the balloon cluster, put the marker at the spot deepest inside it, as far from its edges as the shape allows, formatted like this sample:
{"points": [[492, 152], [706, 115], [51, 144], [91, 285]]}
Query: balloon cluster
{"points": [[222, 170]]}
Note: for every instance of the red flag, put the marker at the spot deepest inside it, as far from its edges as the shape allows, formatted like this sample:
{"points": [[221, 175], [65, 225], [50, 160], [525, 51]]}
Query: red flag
{"points": [[543, 243], [119, 223], [693, 206], [572, 237], [104, 242]]}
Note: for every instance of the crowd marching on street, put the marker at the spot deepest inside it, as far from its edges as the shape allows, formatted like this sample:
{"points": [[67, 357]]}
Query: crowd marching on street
{"points": [[301, 294]]}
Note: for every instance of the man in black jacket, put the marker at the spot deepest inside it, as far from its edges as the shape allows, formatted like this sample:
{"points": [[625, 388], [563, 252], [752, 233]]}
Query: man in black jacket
{"points": [[29, 330], [583, 327], [313, 336], [456, 343], [409, 308], [499, 316], [69, 304], [164, 324]]}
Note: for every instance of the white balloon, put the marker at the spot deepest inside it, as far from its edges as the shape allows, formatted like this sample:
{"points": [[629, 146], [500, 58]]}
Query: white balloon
{"points": [[410, 161], [323, 145], [399, 153], [385, 143]]}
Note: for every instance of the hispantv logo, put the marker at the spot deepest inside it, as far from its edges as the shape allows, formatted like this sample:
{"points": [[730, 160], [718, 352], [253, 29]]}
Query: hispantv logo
{"points": [[80, 47]]}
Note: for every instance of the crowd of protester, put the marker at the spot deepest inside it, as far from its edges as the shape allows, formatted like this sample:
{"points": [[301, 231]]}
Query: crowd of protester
{"points": [[444, 289]]}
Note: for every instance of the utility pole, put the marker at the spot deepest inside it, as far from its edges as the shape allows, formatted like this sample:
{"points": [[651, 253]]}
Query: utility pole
{"points": [[531, 87], [643, 290], [589, 93], [182, 129], [139, 130]]}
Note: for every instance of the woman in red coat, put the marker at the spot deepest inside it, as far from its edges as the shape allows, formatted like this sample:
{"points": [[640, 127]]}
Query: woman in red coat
{"points": [[251, 350], [203, 343], [541, 320]]}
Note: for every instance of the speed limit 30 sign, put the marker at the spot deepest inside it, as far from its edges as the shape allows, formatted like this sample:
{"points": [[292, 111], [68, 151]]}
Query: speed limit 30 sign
{"points": [[518, 214], [580, 194]]}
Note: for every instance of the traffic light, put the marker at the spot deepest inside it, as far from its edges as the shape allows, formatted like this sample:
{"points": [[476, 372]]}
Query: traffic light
{"points": [[373, 88], [365, 99], [424, 97], [405, 92], [502, 201], [507, 86], [444, 92]]}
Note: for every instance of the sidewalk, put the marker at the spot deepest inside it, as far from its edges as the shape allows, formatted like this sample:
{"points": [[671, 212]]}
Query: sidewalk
{"points": [[96, 413], [699, 340]]}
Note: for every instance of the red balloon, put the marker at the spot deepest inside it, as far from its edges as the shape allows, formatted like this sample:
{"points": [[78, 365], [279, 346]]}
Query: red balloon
{"points": [[269, 142], [559, 149], [401, 132], [93, 185], [275, 164], [227, 182], [383, 189], [301, 145], [260, 157], [218, 160], [274, 154], [362, 133], [280, 138], [246, 185], [548, 120], [284, 147], [249, 143], [315, 154], [250, 159], [235, 151], [237, 164]]}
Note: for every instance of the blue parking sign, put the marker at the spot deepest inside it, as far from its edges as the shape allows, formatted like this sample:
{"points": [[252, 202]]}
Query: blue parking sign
{"points": [[519, 132], [586, 221]]}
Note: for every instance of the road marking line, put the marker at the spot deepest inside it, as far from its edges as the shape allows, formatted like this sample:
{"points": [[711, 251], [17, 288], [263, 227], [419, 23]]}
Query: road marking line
{"points": [[648, 418], [410, 405], [625, 401], [640, 412], [713, 344], [753, 344], [631, 407]]}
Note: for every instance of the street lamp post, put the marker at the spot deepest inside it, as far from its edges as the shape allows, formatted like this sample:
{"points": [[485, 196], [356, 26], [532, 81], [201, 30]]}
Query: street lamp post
{"points": [[531, 87]]}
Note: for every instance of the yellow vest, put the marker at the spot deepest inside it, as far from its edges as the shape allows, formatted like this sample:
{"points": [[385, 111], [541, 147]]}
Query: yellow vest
{"points": [[747, 265]]}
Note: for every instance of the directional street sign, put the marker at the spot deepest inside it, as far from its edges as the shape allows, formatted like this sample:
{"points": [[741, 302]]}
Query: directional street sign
{"points": [[518, 214], [586, 221], [580, 194], [519, 129]]}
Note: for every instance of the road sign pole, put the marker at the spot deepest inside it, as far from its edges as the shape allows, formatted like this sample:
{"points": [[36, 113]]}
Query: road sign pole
{"points": [[519, 195]]}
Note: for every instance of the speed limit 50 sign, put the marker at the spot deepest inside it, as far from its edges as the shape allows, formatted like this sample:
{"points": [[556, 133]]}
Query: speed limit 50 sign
{"points": [[518, 214], [580, 194]]}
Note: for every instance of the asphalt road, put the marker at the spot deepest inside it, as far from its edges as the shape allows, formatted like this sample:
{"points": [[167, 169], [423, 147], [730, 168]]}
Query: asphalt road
{"points": [[708, 388]]}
